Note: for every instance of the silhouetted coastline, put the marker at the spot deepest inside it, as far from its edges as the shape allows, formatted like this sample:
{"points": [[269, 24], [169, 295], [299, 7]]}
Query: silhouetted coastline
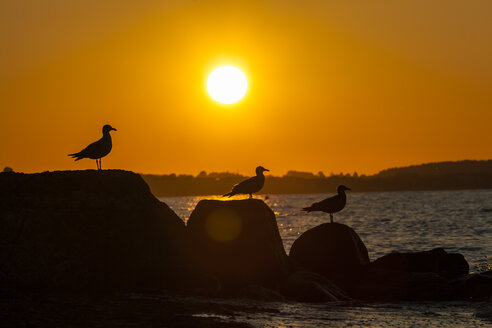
{"points": [[105, 231], [100, 242], [431, 176]]}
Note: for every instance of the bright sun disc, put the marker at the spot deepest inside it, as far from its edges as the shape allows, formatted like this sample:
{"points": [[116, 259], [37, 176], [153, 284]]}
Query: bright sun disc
{"points": [[227, 84]]}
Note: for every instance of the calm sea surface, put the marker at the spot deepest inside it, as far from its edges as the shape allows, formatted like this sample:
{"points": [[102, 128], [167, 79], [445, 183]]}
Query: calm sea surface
{"points": [[458, 221]]}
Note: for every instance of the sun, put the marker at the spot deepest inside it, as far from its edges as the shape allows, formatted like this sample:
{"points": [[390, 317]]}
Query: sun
{"points": [[227, 84]]}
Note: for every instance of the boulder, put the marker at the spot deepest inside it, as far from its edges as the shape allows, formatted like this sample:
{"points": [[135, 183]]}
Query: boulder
{"points": [[260, 293], [197, 283], [484, 312], [303, 286], [436, 260], [238, 242], [86, 230], [394, 286], [333, 250], [476, 286], [419, 276]]}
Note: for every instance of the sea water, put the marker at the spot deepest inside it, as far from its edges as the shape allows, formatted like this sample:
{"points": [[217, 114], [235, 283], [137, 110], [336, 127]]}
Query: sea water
{"points": [[458, 221]]}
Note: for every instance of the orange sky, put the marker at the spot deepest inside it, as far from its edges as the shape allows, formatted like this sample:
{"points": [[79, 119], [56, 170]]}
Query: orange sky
{"points": [[333, 85]]}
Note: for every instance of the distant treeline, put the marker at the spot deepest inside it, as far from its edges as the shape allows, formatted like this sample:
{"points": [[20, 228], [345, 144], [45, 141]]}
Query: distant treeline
{"points": [[431, 176]]}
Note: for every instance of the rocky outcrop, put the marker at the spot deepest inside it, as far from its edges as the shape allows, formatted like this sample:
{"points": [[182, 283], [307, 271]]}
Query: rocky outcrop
{"points": [[86, 230], [394, 286], [238, 242], [476, 286], [336, 252], [303, 286], [333, 250], [104, 230], [260, 293], [436, 260], [415, 276]]}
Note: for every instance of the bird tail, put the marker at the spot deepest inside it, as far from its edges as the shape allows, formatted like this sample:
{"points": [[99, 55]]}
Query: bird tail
{"points": [[228, 194], [76, 156], [307, 209]]}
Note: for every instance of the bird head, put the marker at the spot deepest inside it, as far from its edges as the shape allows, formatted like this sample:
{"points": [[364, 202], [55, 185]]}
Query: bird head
{"points": [[108, 128], [260, 170], [342, 188]]}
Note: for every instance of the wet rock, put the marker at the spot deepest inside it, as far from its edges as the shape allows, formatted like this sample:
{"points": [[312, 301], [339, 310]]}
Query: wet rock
{"points": [[391, 286], [306, 286], [419, 276], [484, 312], [238, 242], [422, 276], [45, 309], [475, 286], [197, 283], [436, 260], [333, 250], [86, 230], [260, 293]]}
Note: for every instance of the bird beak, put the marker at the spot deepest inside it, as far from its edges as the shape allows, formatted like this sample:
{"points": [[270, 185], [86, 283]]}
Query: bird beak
{"points": [[266, 170], [347, 188], [113, 129]]}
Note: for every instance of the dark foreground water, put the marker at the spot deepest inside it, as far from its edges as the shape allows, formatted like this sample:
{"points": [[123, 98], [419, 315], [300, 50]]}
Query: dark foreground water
{"points": [[458, 221]]}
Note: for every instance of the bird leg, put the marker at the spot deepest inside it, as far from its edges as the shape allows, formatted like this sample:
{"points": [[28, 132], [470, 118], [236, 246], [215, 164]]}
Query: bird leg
{"points": [[331, 217], [250, 196], [100, 164]]}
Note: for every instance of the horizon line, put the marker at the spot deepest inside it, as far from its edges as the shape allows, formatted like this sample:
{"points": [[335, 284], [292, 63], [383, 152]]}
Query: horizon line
{"points": [[325, 173]]}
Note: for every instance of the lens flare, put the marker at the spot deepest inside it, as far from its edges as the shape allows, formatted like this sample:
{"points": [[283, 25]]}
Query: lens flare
{"points": [[223, 225]]}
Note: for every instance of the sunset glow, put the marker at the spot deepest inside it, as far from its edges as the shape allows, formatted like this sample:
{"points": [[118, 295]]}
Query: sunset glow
{"points": [[331, 86]]}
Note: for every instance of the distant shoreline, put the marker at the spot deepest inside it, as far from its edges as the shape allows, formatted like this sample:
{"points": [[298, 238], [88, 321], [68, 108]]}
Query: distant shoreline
{"points": [[460, 175], [321, 193]]}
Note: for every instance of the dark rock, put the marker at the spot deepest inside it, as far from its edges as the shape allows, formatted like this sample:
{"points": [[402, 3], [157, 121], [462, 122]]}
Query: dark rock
{"points": [[198, 283], [306, 286], [336, 252], [237, 241], [484, 312], [436, 260], [422, 276], [135, 309], [86, 230], [260, 293], [331, 249], [391, 286], [475, 286]]}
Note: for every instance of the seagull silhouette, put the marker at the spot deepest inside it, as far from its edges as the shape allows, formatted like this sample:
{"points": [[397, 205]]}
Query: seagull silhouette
{"points": [[250, 185], [330, 205], [98, 149]]}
